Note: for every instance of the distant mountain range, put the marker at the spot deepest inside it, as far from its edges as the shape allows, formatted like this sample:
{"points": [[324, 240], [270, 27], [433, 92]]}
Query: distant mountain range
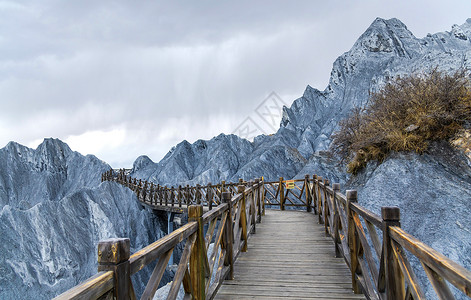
{"points": [[54, 209]]}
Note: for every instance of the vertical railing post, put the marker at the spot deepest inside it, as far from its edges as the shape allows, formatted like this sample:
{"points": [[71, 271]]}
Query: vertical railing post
{"points": [[198, 194], [319, 199], [228, 236], [209, 196], [243, 216], [188, 201], [262, 193], [258, 200], [352, 240], [307, 193], [253, 208], [151, 193], [160, 194], [197, 272], [113, 255], [326, 207], [336, 225], [314, 194], [179, 196], [172, 196], [165, 195], [282, 194], [395, 288]]}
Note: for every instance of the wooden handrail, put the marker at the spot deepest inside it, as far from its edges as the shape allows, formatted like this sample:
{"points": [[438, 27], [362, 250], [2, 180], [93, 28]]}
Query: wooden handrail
{"points": [[197, 264], [360, 236], [93, 288]]}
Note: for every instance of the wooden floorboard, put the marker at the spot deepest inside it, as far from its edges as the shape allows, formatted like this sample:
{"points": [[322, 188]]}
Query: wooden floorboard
{"points": [[289, 258]]}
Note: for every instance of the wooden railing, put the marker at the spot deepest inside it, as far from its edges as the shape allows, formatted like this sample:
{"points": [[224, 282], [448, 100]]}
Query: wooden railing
{"points": [[375, 248], [172, 198], [199, 270]]}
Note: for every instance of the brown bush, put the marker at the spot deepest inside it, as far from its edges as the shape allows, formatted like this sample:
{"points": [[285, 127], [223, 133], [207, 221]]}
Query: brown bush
{"points": [[405, 115]]}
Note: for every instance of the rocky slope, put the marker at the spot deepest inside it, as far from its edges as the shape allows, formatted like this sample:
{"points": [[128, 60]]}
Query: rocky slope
{"points": [[54, 211], [433, 191], [385, 50]]}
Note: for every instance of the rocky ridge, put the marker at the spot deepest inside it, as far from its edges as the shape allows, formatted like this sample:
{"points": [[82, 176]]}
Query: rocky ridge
{"points": [[54, 211]]}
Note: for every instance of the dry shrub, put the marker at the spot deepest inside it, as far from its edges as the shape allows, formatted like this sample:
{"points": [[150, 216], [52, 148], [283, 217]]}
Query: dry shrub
{"points": [[405, 115]]}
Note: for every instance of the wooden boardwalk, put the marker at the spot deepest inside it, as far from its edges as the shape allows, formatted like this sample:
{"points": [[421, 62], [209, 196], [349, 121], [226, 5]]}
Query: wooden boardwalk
{"points": [[289, 257]]}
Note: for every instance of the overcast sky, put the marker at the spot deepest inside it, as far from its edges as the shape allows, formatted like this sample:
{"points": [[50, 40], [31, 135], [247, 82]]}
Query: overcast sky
{"points": [[123, 78]]}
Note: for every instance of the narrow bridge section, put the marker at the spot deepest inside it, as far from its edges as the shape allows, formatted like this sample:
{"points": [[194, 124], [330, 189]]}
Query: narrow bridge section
{"points": [[290, 257]]}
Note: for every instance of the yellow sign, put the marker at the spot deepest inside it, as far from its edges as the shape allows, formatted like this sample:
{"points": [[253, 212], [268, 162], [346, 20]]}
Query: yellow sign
{"points": [[289, 184]]}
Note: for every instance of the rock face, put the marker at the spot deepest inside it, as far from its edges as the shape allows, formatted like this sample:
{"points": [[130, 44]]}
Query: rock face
{"points": [[432, 191], [54, 212], [386, 49]]}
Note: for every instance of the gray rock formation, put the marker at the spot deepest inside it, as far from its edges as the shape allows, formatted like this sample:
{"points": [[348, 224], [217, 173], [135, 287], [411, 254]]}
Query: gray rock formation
{"points": [[433, 191], [54, 212], [386, 49]]}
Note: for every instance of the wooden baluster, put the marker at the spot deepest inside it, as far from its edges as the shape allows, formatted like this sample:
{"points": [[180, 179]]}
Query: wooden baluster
{"points": [[179, 195], [165, 190], [262, 194], [197, 271], [151, 193], [243, 216], [326, 208], [113, 255], [172, 196], [229, 236], [209, 196], [353, 241], [337, 241], [314, 194], [307, 193], [258, 200], [319, 200], [395, 288], [188, 200], [281, 190], [253, 209], [198, 194]]}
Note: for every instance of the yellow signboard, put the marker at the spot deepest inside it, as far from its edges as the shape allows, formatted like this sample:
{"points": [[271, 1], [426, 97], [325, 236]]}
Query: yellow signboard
{"points": [[289, 184]]}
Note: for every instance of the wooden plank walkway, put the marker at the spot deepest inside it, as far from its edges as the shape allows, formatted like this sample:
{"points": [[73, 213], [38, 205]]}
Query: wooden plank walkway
{"points": [[289, 257]]}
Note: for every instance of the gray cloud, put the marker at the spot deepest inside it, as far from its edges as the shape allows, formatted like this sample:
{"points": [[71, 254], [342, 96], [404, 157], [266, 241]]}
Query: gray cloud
{"points": [[149, 74]]}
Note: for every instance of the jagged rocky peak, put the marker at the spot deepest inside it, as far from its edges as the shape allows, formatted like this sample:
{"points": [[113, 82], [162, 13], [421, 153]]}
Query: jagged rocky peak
{"points": [[142, 162], [49, 172], [386, 36]]}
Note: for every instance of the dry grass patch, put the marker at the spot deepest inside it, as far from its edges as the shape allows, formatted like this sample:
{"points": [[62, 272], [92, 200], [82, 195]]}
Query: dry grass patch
{"points": [[405, 115]]}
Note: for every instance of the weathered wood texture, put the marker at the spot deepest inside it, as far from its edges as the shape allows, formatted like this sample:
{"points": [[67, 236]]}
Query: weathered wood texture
{"points": [[289, 257]]}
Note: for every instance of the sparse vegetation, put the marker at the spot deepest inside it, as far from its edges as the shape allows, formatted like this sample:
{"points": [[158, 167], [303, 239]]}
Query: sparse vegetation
{"points": [[405, 115]]}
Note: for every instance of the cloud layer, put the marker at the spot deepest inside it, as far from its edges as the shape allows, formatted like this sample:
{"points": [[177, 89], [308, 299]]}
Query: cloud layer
{"points": [[120, 79]]}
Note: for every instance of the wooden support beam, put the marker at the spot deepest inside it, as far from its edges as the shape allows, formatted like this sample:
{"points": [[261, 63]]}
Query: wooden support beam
{"points": [[198, 254], [395, 288], [307, 194], [281, 193], [353, 242], [113, 255], [228, 236], [243, 216]]}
